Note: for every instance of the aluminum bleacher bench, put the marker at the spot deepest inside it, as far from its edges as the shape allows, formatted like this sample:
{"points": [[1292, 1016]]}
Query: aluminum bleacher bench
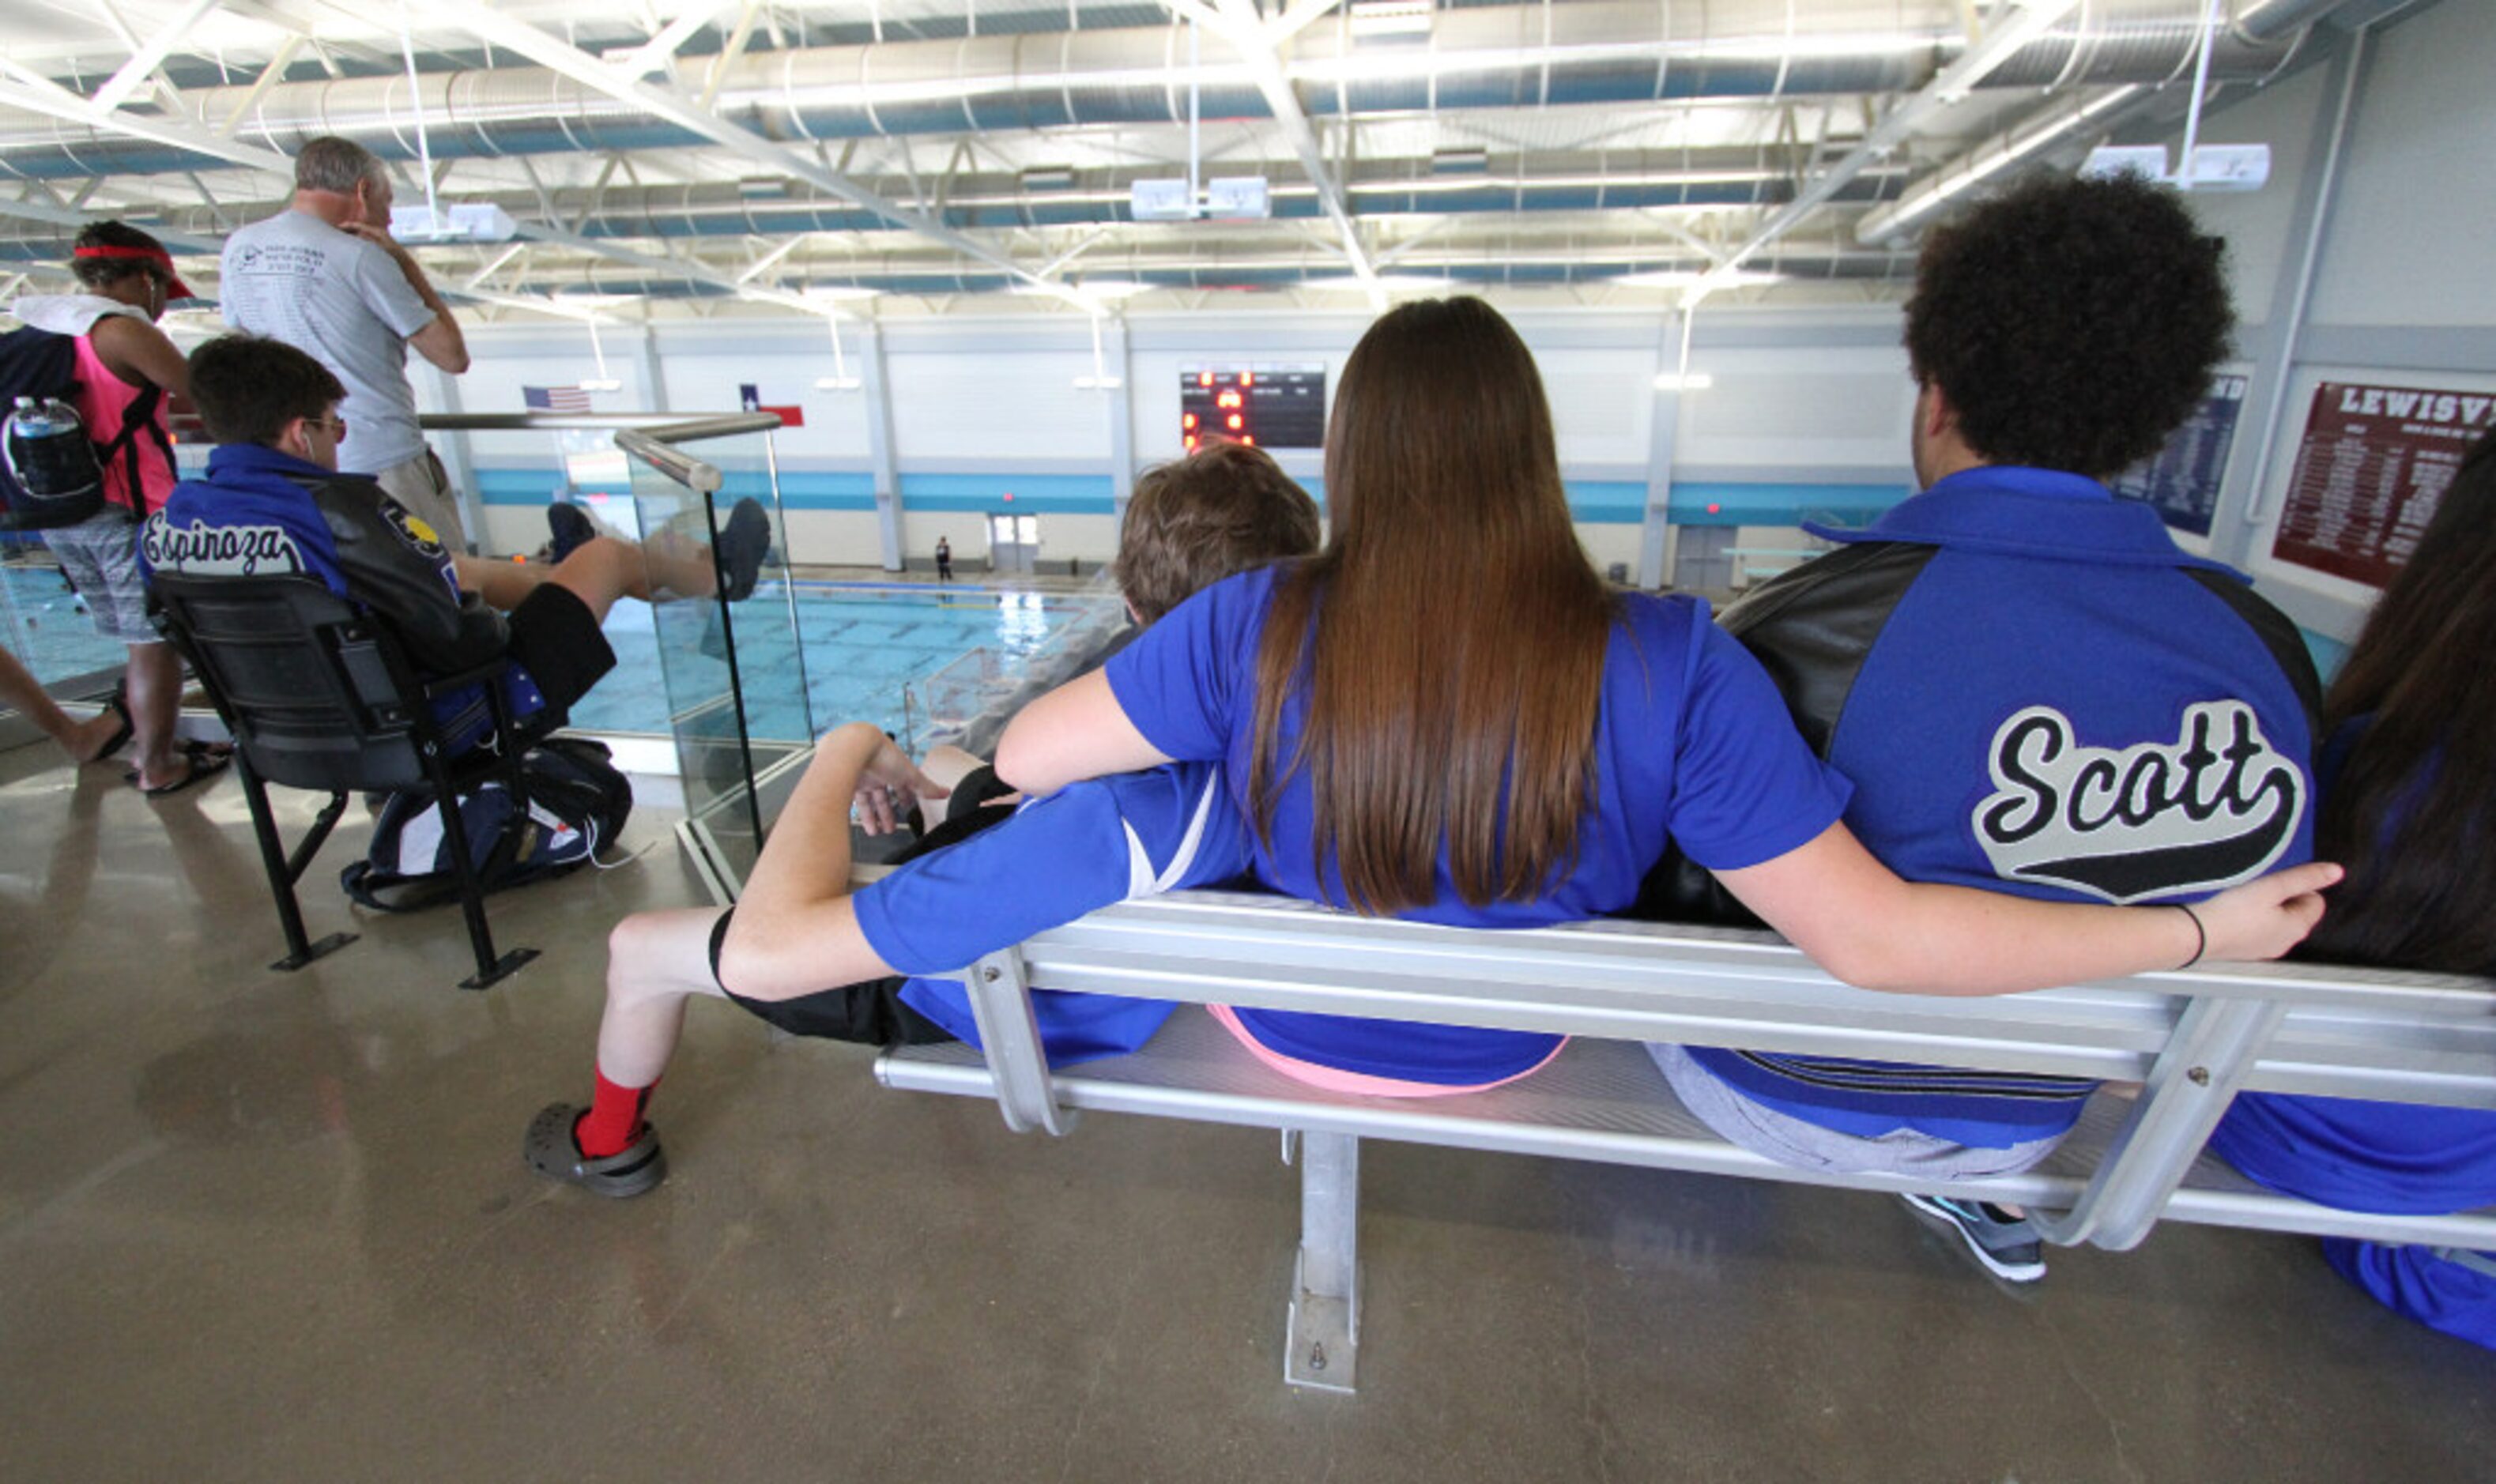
{"points": [[2193, 1039]]}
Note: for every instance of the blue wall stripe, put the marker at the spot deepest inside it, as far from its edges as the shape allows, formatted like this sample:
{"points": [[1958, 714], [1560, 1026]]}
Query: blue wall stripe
{"points": [[1596, 501]]}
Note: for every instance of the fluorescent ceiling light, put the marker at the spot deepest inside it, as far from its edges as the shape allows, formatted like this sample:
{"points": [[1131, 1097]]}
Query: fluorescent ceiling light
{"points": [[1685, 381], [1391, 18], [602, 383], [1112, 288], [838, 383], [1099, 383], [1391, 282], [597, 297], [1686, 278]]}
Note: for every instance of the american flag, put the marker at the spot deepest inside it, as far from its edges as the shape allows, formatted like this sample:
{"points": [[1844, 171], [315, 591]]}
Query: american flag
{"points": [[556, 399]]}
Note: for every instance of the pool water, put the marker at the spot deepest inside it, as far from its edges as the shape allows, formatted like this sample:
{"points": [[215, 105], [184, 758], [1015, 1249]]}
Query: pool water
{"points": [[863, 647], [46, 626]]}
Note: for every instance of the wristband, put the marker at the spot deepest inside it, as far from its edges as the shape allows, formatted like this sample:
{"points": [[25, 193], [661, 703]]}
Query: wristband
{"points": [[2200, 935]]}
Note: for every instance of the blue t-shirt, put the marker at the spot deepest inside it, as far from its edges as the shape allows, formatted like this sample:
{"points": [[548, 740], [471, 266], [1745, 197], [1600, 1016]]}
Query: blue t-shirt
{"points": [[1084, 846], [1692, 743]]}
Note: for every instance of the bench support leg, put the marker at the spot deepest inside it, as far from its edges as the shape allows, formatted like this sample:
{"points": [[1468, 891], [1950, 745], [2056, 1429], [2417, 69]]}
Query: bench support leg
{"points": [[1323, 1333], [2189, 1088]]}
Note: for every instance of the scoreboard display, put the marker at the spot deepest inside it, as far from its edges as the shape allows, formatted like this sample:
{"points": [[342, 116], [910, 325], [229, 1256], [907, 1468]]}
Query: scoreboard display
{"points": [[1266, 407]]}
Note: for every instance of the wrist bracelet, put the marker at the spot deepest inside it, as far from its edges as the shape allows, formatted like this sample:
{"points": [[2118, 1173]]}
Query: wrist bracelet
{"points": [[2200, 935]]}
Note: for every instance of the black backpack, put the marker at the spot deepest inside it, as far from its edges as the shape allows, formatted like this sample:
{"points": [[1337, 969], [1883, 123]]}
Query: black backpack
{"points": [[53, 471], [578, 803]]}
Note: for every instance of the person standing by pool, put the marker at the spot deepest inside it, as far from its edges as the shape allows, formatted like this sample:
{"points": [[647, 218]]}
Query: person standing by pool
{"points": [[328, 278], [944, 560], [128, 371], [1447, 716]]}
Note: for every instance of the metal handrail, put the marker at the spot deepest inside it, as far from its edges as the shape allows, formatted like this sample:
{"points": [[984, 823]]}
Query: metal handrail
{"points": [[686, 470], [666, 427]]}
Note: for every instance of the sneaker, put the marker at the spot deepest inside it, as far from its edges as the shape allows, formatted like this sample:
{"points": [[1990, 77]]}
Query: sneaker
{"points": [[2007, 1245], [743, 542], [571, 527]]}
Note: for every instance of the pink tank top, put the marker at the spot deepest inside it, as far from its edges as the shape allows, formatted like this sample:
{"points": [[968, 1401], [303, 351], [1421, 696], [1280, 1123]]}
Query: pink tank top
{"points": [[104, 400]]}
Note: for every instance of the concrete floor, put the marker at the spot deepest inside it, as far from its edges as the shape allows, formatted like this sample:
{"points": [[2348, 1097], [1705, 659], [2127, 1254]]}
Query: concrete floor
{"points": [[267, 1226]]}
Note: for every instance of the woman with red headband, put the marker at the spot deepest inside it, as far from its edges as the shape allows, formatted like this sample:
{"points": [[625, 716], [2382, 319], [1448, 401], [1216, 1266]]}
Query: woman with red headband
{"points": [[127, 372]]}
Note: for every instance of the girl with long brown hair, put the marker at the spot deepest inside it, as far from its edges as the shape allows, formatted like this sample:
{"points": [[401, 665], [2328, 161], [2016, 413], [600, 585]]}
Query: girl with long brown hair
{"points": [[2408, 801], [1446, 716]]}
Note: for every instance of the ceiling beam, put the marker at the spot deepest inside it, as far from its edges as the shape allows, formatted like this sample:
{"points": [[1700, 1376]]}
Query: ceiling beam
{"points": [[1950, 88], [150, 55], [28, 89], [560, 56], [1237, 21], [654, 53], [64, 216]]}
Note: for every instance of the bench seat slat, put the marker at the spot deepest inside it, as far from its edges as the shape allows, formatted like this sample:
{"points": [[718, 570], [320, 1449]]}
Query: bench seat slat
{"points": [[1600, 1100]]}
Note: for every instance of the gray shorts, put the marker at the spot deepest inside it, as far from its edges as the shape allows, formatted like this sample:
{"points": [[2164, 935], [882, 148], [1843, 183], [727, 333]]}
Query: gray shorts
{"points": [[100, 555], [424, 488], [1806, 1145]]}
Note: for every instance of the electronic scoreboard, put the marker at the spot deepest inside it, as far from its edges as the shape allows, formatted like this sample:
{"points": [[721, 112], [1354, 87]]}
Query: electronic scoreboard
{"points": [[1266, 407]]}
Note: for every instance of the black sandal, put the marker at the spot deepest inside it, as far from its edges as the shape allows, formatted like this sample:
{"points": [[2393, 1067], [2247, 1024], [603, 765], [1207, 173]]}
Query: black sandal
{"points": [[550, 1150], [120, 705]]}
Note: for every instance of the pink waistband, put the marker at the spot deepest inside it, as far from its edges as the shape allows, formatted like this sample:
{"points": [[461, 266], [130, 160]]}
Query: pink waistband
{"points": [[1334, 1079]]}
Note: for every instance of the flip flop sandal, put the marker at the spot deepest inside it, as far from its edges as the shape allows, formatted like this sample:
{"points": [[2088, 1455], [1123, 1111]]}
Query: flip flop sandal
{"points": [[201, 761], [549, 1151], [119, 706]]}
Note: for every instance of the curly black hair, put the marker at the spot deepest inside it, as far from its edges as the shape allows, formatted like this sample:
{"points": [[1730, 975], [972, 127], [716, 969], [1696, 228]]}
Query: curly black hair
{"points": [[2073, 323], [103, 272]]}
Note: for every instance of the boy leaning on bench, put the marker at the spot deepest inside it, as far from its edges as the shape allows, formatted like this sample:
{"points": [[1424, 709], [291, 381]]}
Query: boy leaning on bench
{"points": [[804, 952]]}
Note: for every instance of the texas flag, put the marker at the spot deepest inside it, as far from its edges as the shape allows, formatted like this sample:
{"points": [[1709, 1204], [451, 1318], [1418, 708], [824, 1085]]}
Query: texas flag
{"points": [[749, 397]]}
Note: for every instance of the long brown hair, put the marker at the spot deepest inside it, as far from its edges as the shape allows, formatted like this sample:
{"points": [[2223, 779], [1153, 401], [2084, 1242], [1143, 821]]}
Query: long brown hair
{"points": [[1450, 640], [2412, 815]]}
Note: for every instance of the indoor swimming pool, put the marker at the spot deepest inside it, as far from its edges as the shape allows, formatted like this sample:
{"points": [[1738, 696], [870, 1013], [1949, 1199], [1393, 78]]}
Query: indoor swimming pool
{"points": [[862, 651]]}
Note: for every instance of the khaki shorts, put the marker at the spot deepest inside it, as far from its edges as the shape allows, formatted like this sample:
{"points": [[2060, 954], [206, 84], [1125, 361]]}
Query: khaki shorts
{"points": [[422, 486]]}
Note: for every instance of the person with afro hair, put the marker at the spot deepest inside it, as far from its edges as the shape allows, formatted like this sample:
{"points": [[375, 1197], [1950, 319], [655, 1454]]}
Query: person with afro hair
{"points": [[2031, 687]]}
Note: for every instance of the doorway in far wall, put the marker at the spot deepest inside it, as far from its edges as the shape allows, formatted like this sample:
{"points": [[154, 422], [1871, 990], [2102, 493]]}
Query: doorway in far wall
{"points": [[1701, 560], [1013, 542]]}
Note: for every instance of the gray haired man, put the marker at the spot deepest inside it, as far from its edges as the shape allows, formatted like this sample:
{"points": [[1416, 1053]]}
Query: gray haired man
{"points": [[326, 278]]}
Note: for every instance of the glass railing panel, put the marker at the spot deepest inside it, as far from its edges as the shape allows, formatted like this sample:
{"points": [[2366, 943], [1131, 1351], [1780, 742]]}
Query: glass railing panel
{"points": [[45, 624], [729, 661]]}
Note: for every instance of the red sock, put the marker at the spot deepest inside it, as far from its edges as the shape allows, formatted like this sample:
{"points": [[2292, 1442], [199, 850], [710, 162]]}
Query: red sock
{"points": [[613, 1118]]}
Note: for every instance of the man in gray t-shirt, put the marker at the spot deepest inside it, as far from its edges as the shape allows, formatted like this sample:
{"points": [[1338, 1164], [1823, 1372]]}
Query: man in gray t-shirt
{"points": [[326, 278]]}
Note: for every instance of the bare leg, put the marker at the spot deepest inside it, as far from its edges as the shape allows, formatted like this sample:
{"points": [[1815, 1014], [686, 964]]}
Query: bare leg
{"points": [[23, 694], [502, 584], [598, 571], [155, 700], [655, 962], [949, 765]]}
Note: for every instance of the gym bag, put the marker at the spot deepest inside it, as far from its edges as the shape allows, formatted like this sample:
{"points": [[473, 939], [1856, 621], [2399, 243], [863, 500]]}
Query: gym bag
{"points": [[577, 802]]}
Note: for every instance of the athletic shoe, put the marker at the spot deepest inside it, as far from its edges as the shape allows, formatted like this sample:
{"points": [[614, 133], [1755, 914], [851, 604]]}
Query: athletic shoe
{"points": [[571, 527], [743, 542], [2007, 1245]]}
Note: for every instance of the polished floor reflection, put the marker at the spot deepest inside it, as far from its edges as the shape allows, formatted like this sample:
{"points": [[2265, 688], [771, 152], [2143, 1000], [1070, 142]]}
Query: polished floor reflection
{"points": [[267, 1227]]}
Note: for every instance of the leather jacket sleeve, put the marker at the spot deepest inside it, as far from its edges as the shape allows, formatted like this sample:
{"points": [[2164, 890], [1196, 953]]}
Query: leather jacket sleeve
{"points": [[1811, 629], [406, 578]]}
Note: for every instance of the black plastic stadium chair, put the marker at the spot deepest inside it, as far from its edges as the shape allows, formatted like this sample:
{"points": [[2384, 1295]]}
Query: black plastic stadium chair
{"points": [[319, 695]]}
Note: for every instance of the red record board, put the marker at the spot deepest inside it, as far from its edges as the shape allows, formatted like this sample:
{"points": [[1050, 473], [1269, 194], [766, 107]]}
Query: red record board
{"points": [[2373, 463]]}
